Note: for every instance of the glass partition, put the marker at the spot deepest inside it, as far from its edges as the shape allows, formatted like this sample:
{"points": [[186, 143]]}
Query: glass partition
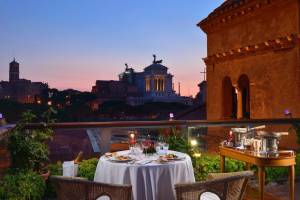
{"points": [[204, 136]]}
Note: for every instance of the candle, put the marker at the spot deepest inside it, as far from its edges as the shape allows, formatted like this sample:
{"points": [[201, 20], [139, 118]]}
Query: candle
{"points": [[132, 139], [132, 136]]}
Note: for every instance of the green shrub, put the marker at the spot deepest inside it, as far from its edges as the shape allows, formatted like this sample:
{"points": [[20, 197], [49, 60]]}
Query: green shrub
{"points": [[297, 168], [234, 165], [22, 185], [179, 143], [28, 147], [175, 137], [281, 173], [87, 168], [206, 164], [55, 169], [211, 164], [276, 173]]}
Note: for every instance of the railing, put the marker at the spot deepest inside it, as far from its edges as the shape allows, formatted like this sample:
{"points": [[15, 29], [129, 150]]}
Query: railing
{"points": [[99, 137], [145, 124]]}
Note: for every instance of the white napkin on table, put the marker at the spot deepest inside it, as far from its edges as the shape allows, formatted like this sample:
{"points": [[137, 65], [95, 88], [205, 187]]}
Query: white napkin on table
{"points": [[143, 162]]}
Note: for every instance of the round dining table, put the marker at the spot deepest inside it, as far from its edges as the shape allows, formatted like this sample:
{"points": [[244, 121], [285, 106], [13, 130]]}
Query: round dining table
{"points": [[150, 180]]}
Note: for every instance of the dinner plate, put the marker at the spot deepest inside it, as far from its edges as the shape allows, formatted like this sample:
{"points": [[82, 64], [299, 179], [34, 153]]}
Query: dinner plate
{"points": [[114, 159], [177, 158]]}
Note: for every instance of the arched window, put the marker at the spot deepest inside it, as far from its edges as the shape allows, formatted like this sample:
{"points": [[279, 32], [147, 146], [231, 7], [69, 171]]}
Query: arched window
{"points": [[228, 99], [244, 89]]}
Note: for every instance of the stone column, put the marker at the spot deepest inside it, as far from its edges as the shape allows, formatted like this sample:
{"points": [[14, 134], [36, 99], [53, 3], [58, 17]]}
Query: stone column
{"points": [[160, 85], [239, 104]]}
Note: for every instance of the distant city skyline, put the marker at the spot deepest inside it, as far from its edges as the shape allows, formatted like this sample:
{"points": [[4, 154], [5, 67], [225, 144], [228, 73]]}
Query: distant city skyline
{"points": [[71, 44]]}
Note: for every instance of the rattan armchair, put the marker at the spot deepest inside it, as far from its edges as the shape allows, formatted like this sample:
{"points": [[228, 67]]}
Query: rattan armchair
{"points": [[227, 186], [82, 189]]}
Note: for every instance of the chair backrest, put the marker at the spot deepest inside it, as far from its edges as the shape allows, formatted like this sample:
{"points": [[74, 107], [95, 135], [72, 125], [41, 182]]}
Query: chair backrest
{"points": [[229, 187], [82, 189], [114, 192]]}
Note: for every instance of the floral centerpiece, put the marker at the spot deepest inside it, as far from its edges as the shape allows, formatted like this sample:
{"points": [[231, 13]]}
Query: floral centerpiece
{"points": [[148, 147], [176, 138]]}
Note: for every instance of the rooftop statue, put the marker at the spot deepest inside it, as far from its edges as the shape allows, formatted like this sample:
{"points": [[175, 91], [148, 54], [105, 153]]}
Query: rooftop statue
{"points": [[156, 61]]}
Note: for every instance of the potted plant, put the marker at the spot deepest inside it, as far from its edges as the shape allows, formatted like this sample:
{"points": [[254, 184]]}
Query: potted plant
{"points": [[28, 147]]}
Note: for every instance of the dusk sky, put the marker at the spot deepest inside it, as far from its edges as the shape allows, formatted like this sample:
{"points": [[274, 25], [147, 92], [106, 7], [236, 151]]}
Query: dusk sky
{"points": [[72, 43]]}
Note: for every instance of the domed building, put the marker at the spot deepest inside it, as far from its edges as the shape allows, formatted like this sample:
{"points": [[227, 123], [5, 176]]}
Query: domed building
{"points": [[158, 82], [154, 84]]}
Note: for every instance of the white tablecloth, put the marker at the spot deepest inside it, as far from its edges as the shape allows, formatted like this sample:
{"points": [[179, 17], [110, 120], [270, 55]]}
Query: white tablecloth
{"points": [[152, 181]]}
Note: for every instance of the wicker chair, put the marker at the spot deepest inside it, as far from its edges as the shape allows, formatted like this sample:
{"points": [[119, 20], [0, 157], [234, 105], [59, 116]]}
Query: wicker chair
{"points": [[227, 186], [82, 189]]}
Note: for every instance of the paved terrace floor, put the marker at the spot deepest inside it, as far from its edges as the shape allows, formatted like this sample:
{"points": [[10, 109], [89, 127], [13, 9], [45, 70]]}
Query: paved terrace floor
{"points": [[273, 192]]}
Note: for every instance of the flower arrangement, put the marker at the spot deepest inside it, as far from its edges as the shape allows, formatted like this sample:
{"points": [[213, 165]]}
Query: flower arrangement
{"points": [[148, 147]]}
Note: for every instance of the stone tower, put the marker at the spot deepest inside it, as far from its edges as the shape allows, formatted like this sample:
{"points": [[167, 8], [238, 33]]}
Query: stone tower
{"points": [[14, 71]]}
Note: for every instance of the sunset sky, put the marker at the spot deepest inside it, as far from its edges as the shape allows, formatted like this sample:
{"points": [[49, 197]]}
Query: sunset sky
{"points": [[72, 43]]}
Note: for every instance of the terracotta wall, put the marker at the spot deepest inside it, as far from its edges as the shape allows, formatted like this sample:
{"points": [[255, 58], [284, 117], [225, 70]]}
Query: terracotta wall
{"points": [[274, 84], [279, 18], [274, 75]]}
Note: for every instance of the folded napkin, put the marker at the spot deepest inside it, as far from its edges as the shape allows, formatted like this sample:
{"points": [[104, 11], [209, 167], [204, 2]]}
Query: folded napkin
{"points": [[143, 162]]}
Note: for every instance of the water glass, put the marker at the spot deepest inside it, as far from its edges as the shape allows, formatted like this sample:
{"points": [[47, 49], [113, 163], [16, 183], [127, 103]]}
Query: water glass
{"points": [[165, 148], [159, 147]]}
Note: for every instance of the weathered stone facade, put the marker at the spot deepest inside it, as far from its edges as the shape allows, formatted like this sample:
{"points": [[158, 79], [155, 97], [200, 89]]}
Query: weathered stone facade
{"points": [[254, 46]]}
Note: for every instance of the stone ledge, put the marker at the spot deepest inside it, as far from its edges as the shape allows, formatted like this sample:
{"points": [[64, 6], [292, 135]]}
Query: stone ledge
{"points": [[228, 14], [278, 44]]}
